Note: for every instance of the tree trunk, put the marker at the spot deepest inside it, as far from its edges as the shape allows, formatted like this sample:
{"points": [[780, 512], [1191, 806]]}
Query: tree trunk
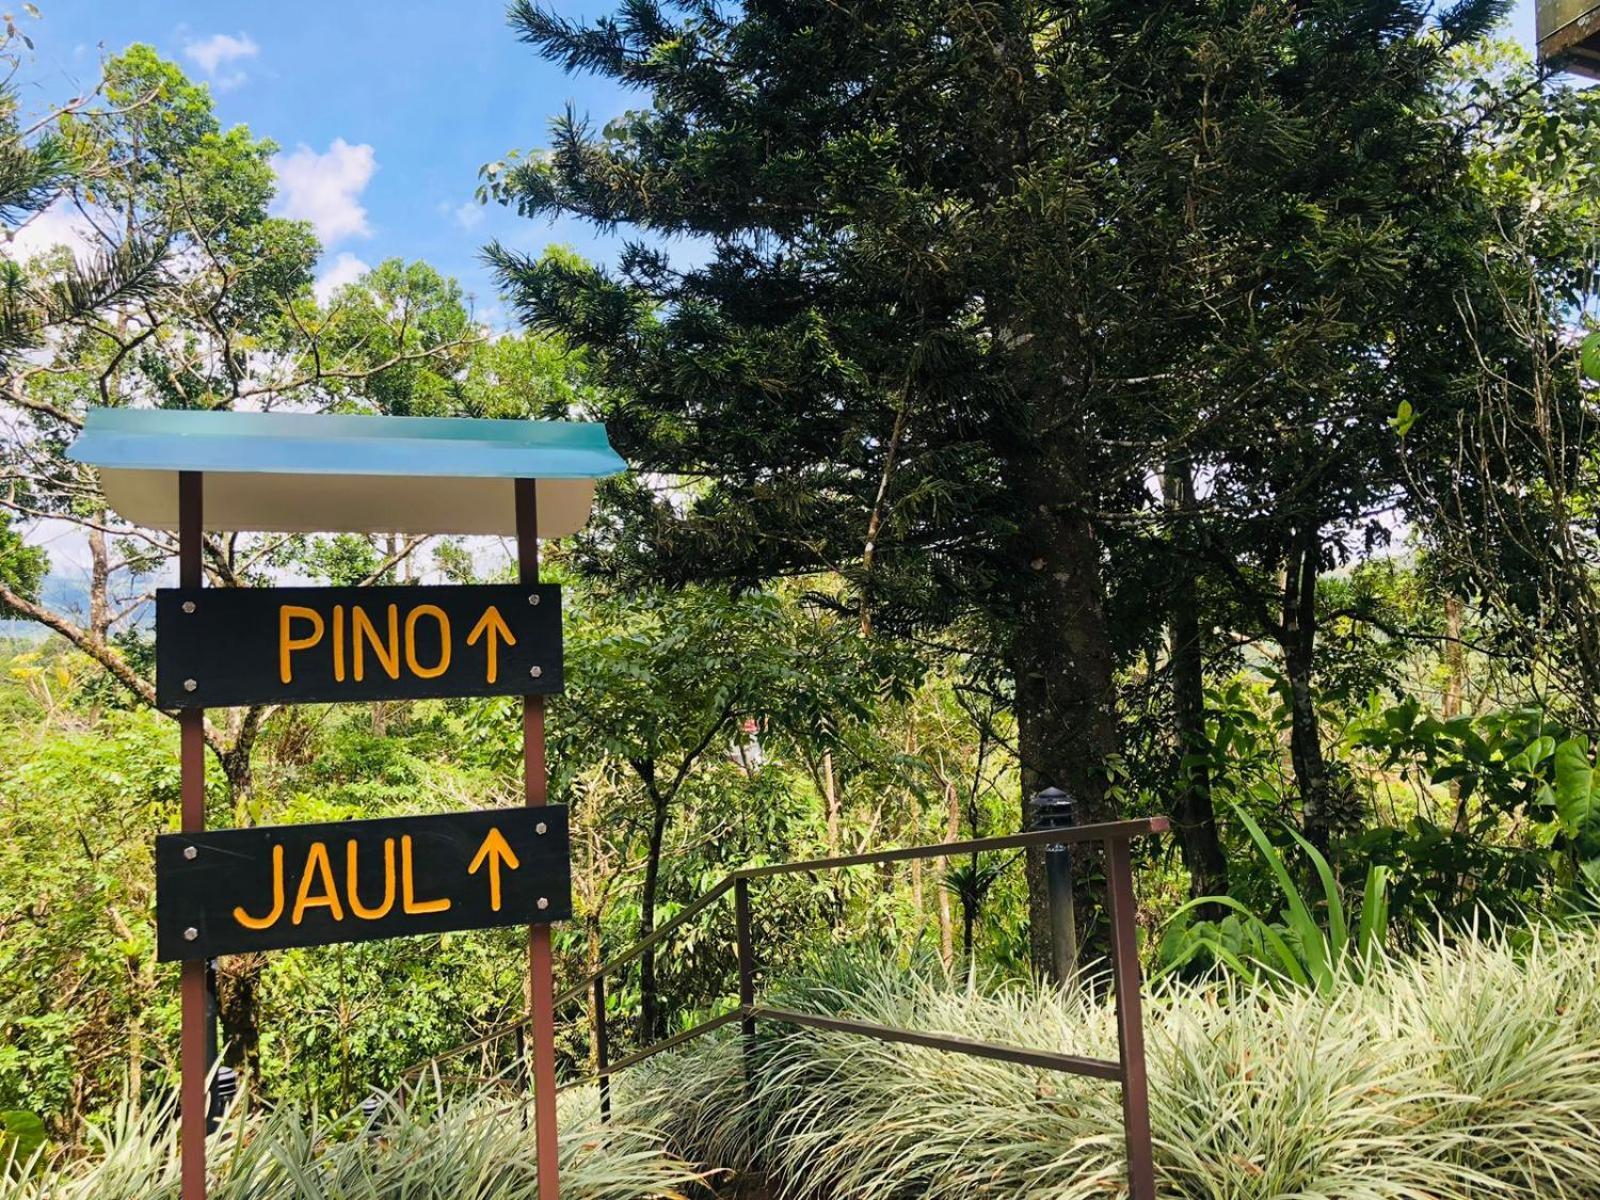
{"points": [[1061, 662], [1455, 660], [1193, 817], [914, 812], [1299, 650], [239, 1010], [952, 833], [651, 1025], [99, 582], [239, 977], [831, 797]]}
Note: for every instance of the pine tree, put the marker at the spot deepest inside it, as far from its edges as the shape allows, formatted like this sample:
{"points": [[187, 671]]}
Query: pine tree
{"points": [[966, 279]]}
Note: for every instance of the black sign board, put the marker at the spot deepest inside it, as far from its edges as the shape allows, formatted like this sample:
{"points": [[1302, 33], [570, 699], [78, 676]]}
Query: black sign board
{"points": [[217, 647], [272, 887]]}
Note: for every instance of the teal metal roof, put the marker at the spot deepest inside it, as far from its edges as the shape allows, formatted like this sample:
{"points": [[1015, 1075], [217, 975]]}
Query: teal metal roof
{"points": [[313, 472], [154, 439]]}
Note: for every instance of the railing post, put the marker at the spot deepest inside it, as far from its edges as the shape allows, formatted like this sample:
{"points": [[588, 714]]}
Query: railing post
{"points": [[541, 969], [747, 972], [1130, 1020], [602, 1056], [194, 1041]]}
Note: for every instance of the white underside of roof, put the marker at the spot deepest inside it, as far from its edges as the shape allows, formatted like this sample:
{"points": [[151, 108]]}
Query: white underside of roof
{"points": [[288, 503]]}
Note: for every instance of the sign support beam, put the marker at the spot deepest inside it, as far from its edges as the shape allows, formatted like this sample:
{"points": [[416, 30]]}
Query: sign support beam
{"points": [[192, 1043], [541, 969]]}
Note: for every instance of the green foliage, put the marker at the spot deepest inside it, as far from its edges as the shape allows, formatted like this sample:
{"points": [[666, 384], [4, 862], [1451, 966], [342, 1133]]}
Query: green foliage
{"points": [[22, 566], [1297, 947], [1501, 770], [470, 1148], [22, 1136], [1459, 1073]]}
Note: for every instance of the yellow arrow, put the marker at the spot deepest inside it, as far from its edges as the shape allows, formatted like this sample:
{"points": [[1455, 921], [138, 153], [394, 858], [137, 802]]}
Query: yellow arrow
{"points": [[495, 850], [494, 626]]}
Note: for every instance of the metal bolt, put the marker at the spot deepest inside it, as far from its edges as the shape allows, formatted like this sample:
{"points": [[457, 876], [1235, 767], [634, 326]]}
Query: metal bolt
{"points": [[189, 685], [536, 671], [188, 606], [190, 852], [533, 598], [190, 934], [544, 902], [541, 827]]}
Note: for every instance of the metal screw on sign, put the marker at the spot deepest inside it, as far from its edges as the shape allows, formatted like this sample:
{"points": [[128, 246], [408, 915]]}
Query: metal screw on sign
{"points": [[534, 598], [536, 671], [190, 853], [544, 902], [189, 685], [190, 934], [541, 827], [188, 606]]}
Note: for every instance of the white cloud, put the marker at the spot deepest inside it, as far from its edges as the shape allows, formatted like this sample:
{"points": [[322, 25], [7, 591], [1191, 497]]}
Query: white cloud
{"points": [[325, 189], [58, 225], [469, 215], [346, 268], [219, 54]]}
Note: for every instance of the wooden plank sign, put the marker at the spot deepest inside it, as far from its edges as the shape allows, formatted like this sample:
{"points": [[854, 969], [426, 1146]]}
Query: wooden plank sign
{"points": [[237, 890], [217, 647]]}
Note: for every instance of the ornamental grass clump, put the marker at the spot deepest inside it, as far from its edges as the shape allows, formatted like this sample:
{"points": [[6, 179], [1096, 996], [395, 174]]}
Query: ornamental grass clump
{"points": [[1468, 1071], [467, 1148]]}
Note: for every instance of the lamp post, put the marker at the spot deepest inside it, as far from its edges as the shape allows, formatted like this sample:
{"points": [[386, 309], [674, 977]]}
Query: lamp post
{"points": [[1052, 809], [224, 1087]]}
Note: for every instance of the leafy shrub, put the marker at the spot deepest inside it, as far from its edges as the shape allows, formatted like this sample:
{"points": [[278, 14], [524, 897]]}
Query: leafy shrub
{"points": [[1466, 1071], [471, 1148], [1298, 948]]}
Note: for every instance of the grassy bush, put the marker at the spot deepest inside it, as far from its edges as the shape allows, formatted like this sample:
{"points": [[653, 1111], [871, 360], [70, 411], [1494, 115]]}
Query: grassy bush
{"points": [[473, 1148], [1467, 1071]]}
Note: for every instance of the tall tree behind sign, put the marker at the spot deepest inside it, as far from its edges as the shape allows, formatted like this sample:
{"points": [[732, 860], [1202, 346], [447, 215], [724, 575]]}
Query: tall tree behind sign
{"points": [[231, 318], [964, 263]]}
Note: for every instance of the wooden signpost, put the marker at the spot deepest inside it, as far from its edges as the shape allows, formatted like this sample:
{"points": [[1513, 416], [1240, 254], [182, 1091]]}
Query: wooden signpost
{"points": [[234, 891]]}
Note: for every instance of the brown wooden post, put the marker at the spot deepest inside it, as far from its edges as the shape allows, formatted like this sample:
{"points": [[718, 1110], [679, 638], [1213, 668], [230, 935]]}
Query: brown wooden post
{"points": [[192, 1040], [1130, 1020], [541, 968]]}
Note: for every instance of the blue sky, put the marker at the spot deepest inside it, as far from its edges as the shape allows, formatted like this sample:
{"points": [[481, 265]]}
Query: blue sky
{"points": [[385, 109]]}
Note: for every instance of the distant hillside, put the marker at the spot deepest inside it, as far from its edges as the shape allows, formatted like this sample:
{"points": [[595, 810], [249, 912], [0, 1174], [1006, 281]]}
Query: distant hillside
{"points": [[65, 593]]}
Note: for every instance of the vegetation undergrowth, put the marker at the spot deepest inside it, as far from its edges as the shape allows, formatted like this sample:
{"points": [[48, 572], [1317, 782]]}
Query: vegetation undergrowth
{"points": [[472, 1147], [1299, 949], [1469, 1069]]}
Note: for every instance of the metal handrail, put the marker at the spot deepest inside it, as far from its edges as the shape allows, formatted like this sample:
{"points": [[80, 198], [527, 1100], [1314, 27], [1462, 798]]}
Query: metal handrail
{"points": [[1128, 1070], [1074, 835], [1071, 836], [1075, 1064]]}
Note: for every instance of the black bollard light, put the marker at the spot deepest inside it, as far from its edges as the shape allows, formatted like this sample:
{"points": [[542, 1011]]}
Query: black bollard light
{"points": [[224, 1087], [370, 1107], [1052, 809]]}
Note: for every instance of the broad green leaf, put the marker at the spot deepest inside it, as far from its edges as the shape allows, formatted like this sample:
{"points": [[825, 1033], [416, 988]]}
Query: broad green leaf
{"points": [[1574, 790], [1589, 357]]}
